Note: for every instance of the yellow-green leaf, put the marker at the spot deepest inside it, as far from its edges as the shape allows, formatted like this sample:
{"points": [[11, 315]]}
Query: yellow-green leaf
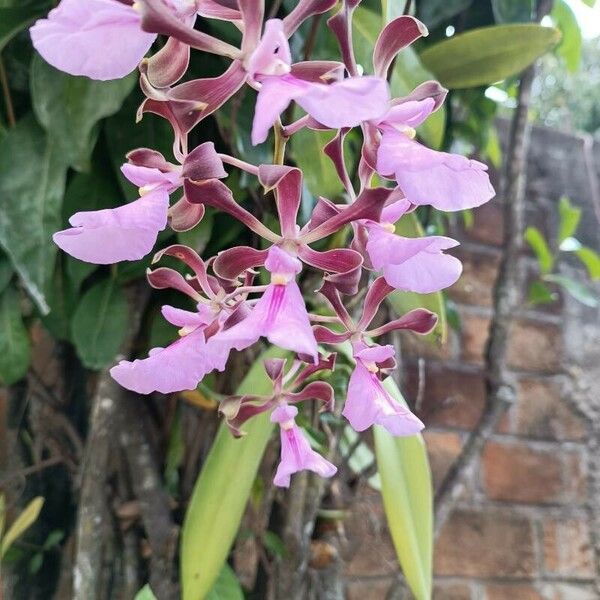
{"points": [[221, 492], [402, 302], [23, 522], [488, 54], [408, 501]]}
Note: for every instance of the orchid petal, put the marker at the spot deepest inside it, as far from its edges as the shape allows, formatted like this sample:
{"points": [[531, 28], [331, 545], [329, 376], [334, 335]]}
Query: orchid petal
{"points": [[303, 10], [184, 215], [287, 182], [231, 263], [168, 65], [203, 163]]}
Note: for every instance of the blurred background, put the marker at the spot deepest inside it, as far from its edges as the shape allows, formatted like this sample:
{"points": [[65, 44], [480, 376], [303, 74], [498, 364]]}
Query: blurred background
{"points": [[507, 386]]}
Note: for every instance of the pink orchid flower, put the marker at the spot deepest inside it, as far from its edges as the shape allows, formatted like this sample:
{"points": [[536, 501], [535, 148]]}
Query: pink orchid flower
{"points": [[280, 314], [129, 232], [342, 103], [410, 264], [368, 402], [296, 453]]}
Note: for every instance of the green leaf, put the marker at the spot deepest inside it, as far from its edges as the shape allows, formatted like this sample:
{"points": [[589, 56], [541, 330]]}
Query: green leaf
{"points": [[536, 240], [390, 9], [407, 74], [320, 177], [513, 11], [14, 341], [576, 289], [572, 40], [21, 524], [6, 272], [198, 237], [145, 593], [408, 501], [99, 324], [434, 12], [32, 181], [227, 586], [221, 492], [569, 217], [540, 294], [69, 108], [591, 260], [402, 302], [488, 54], [13, 20]]}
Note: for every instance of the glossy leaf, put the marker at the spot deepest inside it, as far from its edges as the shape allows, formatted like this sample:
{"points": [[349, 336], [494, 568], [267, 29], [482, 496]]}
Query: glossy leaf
{"points": [[569, 217], [306, 149], [488, 54], [591, 260], [32, 181], [513, 11], [15, 19], [402, 302], [14, 341], [227, 586], [538, 244], [221, 492], [434, 12], [99, 324], [572, 40], [407, 494], [21, 524], [69, 108], [540, 294], [576, 289]]}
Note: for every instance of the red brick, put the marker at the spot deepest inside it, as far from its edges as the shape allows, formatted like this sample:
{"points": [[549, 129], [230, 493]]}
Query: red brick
{"points": [[449, 398], [452, 591], [576, 476], [490, 544], [568, 591], [518, 473], [508, 591], [474, 334], [568, 548], [540, 412], [443, 447], [476, 284], [370, 547], [535, 346], [368, 590]]}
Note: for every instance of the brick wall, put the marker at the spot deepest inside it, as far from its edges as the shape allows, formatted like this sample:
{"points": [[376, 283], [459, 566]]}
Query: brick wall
{"points": [[526, 526]]}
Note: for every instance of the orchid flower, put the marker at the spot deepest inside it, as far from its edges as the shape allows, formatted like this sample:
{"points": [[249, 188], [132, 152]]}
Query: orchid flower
{"points": [[129, 232]]}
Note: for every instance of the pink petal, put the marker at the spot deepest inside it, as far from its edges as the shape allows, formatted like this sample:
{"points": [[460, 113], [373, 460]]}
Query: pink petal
{"points": [[101, 39], [411, 113], [346, 103], [280, 262], [393, 212], [152, 178], [376, 354], [297, 455], [272, 55], [112, 235], [368, 403], [413, 264], [447, 181], [186, 318]]}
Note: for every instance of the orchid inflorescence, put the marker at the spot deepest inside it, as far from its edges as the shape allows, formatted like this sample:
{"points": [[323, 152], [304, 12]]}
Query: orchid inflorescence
{"points": [[108, 39]]}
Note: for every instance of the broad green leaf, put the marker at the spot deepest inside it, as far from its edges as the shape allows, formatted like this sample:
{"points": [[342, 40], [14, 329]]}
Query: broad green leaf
{"points": [[99, 324], [22, 523], [227, 586], [221, 492], [434, 12], [32, 181], [69, 108], [402, 302], [408, 71], [569, 217], [572, 40], [540, 294], [408, 501], [145, 593], [390, 9], [13, 20], [513, 11], [320, 177], [488, 54], [14, 341], [574, 288], [591, 260], [536, 240], [198, 237]]}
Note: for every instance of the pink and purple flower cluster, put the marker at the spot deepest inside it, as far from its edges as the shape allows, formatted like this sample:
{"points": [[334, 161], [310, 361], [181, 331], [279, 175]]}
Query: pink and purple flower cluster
{"points": [[108, 39]]}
